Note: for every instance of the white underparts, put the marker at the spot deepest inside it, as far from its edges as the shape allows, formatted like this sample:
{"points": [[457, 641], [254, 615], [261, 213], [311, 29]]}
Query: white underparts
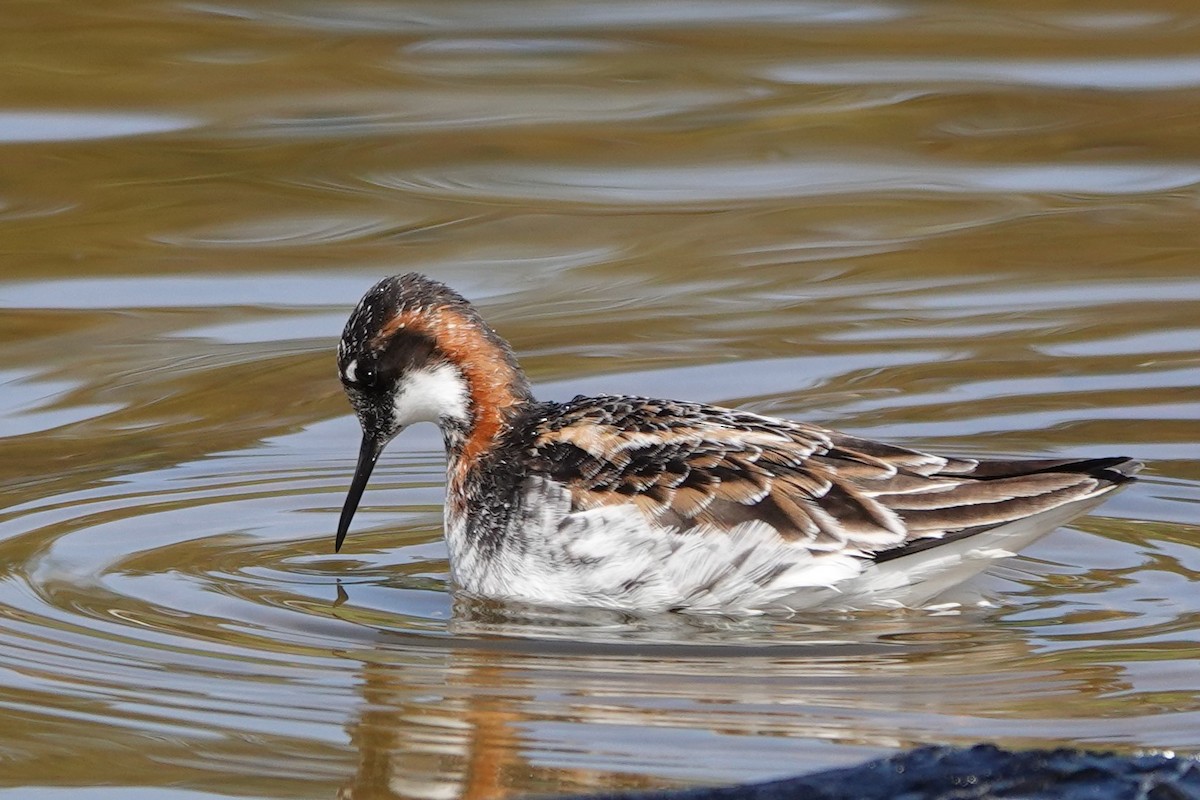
{"points": [[612, 556], [429, 394]]}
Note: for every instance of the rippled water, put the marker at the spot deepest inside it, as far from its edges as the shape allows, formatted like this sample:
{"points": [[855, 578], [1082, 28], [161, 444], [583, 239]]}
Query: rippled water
{"points": [[972, 229]]}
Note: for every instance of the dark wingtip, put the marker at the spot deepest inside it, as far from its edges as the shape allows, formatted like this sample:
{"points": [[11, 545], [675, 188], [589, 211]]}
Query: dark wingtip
{"points": [[1118, 469], [1114, 469]]}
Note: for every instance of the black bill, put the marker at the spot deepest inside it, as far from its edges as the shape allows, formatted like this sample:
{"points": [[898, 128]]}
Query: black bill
{"points": [[368, 454]]}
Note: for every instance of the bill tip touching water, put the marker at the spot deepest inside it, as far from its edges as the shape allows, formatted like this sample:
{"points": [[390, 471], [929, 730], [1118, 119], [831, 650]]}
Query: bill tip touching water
{"points": [[654, 505]]}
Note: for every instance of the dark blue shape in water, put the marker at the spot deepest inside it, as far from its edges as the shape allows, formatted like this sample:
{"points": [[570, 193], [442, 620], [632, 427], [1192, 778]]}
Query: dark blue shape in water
{"points": [[983, 772]]}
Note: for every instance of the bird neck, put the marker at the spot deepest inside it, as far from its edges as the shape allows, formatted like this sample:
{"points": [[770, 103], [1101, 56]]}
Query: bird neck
{"points": [[496, 389]]}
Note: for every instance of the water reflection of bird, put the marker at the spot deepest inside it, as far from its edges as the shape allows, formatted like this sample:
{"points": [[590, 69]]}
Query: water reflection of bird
{"points": [[653, 505]]}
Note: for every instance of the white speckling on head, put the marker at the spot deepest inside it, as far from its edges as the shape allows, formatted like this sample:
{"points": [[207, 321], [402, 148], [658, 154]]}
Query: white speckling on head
{"points": [[352, 371], [429, 394]]}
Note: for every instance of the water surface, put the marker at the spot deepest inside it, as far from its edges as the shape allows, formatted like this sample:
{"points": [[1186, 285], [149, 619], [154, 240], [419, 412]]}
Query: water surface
{"points": [[972, 231]]}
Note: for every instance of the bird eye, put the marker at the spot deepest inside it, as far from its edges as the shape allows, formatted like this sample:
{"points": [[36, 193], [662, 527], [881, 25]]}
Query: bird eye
{"points": [[359, 373]]}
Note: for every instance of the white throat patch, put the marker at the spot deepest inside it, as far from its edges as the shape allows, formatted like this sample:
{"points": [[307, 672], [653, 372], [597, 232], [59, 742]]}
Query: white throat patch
{"points": [[431, 393]]}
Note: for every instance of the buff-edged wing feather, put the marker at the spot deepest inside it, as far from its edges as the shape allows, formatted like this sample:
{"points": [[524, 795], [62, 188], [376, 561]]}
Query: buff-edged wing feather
{"points": [[691, 467]]}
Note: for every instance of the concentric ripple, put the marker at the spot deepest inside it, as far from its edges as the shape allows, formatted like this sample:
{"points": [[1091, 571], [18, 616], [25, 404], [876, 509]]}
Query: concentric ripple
{"points": [[199, 603]]}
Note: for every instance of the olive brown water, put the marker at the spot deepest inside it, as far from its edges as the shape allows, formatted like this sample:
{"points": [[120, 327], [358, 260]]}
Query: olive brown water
{"points": [[973, 228]]}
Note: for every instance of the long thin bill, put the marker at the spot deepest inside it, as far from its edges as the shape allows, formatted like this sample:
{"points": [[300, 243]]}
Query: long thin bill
{"points": [[368, 454]]}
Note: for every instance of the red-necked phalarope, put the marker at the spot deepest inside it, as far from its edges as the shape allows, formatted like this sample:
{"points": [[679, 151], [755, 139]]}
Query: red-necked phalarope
{"points": [[652, 505]]}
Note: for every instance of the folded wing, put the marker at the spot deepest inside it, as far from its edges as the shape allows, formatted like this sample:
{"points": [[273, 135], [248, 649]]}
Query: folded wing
{"points": [[695, 468]]}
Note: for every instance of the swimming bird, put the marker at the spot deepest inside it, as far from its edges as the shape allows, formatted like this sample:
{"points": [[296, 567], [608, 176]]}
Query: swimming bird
{"points": [[652, 505]]}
